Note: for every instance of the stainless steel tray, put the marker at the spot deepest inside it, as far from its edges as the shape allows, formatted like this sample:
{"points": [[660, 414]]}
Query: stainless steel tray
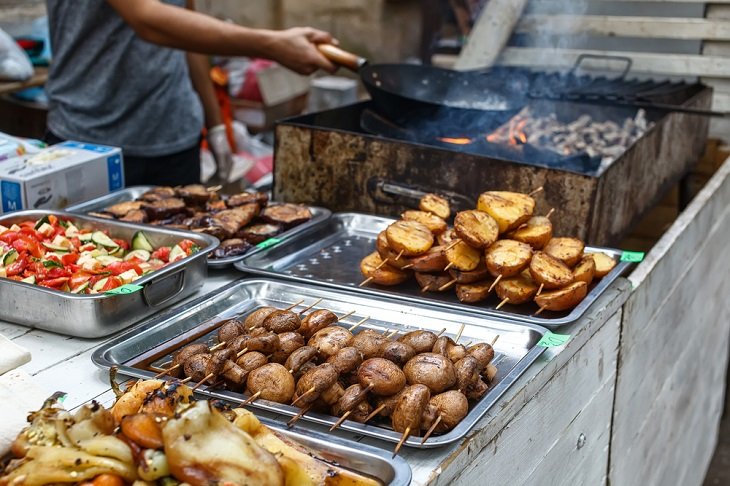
{"points": [[98, 315], [331, 256], [319, 216], [147, 350]]}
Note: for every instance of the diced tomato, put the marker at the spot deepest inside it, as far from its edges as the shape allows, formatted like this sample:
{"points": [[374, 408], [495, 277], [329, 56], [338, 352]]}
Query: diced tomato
{"points": [[121, 243], [29, 231], [79, 278], [70, 258], [118, 268], [17, 267], [54, 283], [54, 257], [57, 272], [25, 244], [76, 242], [112, 283], [162, 253], [52, 219], [187, 246], [9, 236]]}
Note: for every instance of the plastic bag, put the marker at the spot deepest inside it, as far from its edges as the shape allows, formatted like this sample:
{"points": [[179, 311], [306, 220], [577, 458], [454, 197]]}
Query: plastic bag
{"points": [[14, 64]]}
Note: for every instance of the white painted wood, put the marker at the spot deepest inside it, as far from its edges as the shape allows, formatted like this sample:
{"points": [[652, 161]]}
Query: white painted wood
{"points": [[645, 63], [674, 349], [490, 34], [625, 26]]}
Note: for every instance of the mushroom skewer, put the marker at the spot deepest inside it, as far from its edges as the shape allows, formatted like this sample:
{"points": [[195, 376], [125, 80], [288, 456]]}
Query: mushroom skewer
{"points": [[310, 306]]}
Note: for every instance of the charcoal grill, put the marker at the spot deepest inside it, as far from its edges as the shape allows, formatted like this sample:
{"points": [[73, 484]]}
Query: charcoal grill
{"points": [[355, 158]]}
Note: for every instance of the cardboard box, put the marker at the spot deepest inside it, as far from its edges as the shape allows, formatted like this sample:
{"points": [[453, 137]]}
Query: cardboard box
{"points": [[60, 175]]}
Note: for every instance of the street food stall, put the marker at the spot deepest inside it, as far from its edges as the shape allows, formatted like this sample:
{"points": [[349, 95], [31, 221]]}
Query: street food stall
{"points": [[434, 292]]}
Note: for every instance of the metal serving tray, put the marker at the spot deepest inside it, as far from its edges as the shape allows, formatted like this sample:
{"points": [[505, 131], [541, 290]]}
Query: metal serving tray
{"points": [[331, 256], [148, 349], [319, 216], [91, 316]]}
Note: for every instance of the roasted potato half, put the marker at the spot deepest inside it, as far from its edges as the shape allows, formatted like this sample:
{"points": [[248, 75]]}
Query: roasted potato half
{"points": [[473, 293], [509, 209], [410, 237], [549, 271], [585, 270], [385, 275], [562, 299], [387, 253], [536, 232], [434, 260], [604, 264], [429, 220], [463, 257], [447, 237], [435, 204], [508, 257], [433, 282], [517, 290], [567, 250], [477, 228], [477, 275]]}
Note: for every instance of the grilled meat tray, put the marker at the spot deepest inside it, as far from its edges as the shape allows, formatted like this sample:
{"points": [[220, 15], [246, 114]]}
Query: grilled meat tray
{"points": [[331, 254], [148, 350], [92, 316], [319, 216]]}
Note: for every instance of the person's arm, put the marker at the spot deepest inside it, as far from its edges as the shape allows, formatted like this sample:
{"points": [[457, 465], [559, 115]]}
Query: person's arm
{"points": [[176, 27], [200, 76]]}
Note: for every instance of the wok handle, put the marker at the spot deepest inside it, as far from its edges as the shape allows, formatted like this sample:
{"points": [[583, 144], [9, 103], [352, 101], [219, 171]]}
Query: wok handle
{"points": [[342, 57]]}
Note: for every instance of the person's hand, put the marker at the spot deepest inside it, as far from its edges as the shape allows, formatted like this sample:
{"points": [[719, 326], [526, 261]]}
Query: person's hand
{"points": [[296, 48], [221, 149]]}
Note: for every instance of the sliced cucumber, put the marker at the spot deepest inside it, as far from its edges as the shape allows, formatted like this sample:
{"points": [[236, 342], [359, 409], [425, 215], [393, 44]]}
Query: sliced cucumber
{"points": [[30, 280], [117, 252], [85, 237], [107, 260], [102, 239], [142, 255], [10, 257], [100, 284], [41, 222], [81, 288], [53, 247], [61, 240], [140, 242], [176, 254]]}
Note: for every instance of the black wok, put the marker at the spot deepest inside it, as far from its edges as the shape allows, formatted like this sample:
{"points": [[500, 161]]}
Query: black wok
{"points": [[468, 99]]}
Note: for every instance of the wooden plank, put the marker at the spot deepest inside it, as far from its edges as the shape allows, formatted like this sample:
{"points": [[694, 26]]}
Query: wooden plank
{"points": [[539, 445], [625, 26], [646, 63]]}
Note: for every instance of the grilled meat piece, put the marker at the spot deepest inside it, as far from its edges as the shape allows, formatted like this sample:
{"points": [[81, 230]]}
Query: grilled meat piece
{"points": [[137, 216], [194, 194], [164, 208], [232, 220], [100, 215], [260, 232], [244, 198], [232, 247], [215, 206], [121, 209], [157, 194], [287, 215]]}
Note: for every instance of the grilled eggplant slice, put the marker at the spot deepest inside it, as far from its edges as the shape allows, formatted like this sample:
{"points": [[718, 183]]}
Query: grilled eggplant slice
{"points": [[164, 208], [287, 215], [136, 216], [232, 247], [158, 193], [257, 233], [195, 194], [243, 198], [121, 209]]}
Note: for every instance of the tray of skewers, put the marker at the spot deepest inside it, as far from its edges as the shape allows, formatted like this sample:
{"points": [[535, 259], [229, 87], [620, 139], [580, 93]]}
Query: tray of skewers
{"points": [[242, 222], [157, 433], [498, 259], [407, 373]]}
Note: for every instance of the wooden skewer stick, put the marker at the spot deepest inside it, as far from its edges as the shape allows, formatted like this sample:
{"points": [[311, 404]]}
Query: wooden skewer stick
{"points": [[296, 418], [242, 352], [218, 346], [207, 377], [550, 213], [360, 396], [431, 429], [539, 311], [295, 304], [447, 285], [494, 284], [345, 316], [539, 290], [403, 438], [461, 330], [310, 306], [426, 288], [374, 413], [359, 323], [406, 267], [214, 188], [501, 304], [441, 332], [166, 371], [400, 254], [311, 390], [340, 420], [468, 344], [494, 341], [382, 264], [452, 244], [536, 191], [448, 267], [182, 382], [251, 399], [394, 333]]}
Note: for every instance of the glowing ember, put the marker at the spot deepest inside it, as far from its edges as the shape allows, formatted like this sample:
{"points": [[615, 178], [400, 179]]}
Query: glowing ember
{"points": [[457, 141]]}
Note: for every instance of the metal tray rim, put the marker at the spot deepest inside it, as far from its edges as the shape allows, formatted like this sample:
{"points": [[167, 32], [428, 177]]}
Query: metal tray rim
{"points": [[211, 243], [101, 359], [575, 314], [319, 216]]}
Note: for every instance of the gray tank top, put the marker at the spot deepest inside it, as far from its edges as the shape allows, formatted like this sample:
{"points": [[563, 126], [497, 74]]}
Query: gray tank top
{"points": [[107, 85]]}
